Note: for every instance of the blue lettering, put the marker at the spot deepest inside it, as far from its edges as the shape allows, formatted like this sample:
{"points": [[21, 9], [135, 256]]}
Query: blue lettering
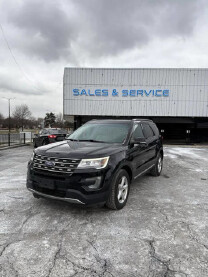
{"points": [[98, 92], [104, 92], [124, 92], [89, 93], [114, 92], [75, 91], [148, 93], [140, 92], [157, 92], [83, 92], [132, 92], [166, 92]]}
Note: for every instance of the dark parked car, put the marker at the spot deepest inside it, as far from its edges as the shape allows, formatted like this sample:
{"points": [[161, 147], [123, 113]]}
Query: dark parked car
{"points": [[49, 135], [97, 163]]}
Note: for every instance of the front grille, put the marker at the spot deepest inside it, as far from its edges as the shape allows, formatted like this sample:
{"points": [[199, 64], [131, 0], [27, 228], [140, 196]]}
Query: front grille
{"points": [[53, 164]]}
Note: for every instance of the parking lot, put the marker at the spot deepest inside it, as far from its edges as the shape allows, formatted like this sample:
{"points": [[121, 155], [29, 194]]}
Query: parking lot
{"points": [[162, 231]]}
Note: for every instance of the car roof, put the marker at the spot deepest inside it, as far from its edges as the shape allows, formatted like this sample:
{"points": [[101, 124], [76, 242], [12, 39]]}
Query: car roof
{"points": [[52, 128], [118, 120]]}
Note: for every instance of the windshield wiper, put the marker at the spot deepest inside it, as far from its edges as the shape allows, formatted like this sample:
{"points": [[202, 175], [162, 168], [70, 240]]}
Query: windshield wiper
{"points": [[72, 139], [92, 140]]}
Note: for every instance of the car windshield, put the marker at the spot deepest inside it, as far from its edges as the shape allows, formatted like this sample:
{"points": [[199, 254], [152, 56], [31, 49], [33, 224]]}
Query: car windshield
{"points": [[101, 132]]}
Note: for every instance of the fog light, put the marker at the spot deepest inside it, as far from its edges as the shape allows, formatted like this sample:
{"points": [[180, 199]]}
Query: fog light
{"points": [[92, 183], [96, 184]]}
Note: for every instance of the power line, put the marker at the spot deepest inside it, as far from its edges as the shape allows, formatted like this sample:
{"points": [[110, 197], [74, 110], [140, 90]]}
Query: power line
{"points": [[17, 64]]}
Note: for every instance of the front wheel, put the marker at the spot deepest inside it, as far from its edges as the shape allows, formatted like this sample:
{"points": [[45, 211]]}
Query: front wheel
{"points": [[119, 191], [157, 169]]}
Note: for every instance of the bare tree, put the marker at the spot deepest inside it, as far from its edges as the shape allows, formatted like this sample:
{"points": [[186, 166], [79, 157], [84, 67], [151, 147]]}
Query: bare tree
{"points": [[21, 114], [59, 120], [1, 119]]}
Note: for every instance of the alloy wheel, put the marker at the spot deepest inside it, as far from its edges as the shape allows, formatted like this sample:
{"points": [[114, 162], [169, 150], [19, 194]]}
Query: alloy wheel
{"points": [[123, 187], [159, 165]]}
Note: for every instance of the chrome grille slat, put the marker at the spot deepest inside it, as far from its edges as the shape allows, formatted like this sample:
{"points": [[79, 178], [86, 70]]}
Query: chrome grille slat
{"points": [[41, 160], [61, 165], [57, 167]]}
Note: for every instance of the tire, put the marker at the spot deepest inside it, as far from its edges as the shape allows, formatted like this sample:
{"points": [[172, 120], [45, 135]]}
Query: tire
{"points": [[36, 195], [157, 169], [44, 142], [118, 197]]}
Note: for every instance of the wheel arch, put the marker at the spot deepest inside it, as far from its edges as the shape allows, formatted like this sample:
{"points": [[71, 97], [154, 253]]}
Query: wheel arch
{"points": [[162, 153], [128, 170]]}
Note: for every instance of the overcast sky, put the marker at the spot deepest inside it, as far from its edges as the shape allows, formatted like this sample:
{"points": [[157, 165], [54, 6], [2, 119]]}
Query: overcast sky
{"points": [[39, 38]]}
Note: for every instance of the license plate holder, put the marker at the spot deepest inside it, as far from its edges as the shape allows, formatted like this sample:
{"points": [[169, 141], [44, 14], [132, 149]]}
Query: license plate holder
{"points": [[47, 184]]}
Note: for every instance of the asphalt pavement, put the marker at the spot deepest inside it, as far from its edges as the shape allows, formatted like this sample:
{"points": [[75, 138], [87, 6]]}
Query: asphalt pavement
{"points": [[162, 231]]}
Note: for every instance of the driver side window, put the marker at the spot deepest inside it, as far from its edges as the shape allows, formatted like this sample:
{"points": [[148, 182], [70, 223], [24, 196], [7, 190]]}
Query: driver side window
{"points": [[137, 133]]}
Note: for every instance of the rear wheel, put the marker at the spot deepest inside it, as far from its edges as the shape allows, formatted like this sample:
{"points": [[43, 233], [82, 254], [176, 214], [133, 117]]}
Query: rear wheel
{"points": [[119, 191], [44, 142], [157, 169]]}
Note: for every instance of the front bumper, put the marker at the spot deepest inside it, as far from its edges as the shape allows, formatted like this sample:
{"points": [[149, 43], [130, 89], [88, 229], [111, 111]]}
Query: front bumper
{"points": [[86, 187]]}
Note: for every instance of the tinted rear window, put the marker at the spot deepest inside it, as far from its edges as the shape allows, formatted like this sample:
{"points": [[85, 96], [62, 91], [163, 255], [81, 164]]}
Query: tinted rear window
{"points": [[155, 129], [148, 132]]}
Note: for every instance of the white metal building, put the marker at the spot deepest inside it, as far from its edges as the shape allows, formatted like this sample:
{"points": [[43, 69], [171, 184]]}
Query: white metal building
{"points": [[166, 95]]}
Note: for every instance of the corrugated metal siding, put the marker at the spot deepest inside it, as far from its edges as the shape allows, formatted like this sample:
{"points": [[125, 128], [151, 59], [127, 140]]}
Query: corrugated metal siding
{"points": [[188, 92]]}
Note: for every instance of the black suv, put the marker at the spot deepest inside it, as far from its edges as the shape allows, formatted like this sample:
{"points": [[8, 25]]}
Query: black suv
{"points": [[97, 163]]}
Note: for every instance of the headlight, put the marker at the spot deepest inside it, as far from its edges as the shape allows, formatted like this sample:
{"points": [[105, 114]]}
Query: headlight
{"points": [[94, 163], [32, 156]]}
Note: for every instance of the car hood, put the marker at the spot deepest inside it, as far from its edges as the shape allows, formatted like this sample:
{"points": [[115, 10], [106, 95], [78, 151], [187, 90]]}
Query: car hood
{"points": [[79, 150]]}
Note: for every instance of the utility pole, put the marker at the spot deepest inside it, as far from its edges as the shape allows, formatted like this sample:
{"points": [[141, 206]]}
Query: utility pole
{"points": [[9, 99]]}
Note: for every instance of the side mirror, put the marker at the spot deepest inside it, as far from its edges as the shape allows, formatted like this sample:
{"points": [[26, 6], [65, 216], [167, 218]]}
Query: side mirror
{"points": [[138, 141]]}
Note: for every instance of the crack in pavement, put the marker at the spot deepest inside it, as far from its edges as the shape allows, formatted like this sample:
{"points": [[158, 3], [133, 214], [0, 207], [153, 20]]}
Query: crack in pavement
{"points": [[193, 236], [164, 263], [29, 215], [76, 267], [57, 253], [15, 240], [6, 246], [103, 262]]}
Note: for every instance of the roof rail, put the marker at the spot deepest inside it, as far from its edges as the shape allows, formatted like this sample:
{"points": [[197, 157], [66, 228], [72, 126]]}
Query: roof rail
{"points": [[141, 119]]}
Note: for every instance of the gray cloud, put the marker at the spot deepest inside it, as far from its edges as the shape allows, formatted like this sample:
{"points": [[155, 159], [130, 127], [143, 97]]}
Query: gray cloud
{"points": [[114, 26], [7, 85], [47, 30], [99, 28]]}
